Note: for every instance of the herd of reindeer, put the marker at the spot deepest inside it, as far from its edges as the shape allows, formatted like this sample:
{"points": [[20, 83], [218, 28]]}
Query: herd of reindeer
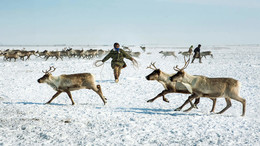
{"points": [[14, 54], [181, 82], [24, 55]]}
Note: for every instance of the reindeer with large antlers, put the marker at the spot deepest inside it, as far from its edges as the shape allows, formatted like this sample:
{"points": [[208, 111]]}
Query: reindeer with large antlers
{"points": [[170, 87], [213, 88], [67, 83]]}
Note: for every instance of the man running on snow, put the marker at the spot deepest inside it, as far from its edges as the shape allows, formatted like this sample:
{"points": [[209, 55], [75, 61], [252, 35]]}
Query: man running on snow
{"points": [[197, 54], [117, 54]]}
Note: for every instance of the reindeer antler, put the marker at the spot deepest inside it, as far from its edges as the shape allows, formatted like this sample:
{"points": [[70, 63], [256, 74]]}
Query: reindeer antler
{"points": [[185, 65], [152, 66], [50, 70]]}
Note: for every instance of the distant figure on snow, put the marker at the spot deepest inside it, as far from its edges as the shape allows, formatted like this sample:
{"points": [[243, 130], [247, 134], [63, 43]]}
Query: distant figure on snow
{"points": [[190, 49], [197, 54], [117, 54]]}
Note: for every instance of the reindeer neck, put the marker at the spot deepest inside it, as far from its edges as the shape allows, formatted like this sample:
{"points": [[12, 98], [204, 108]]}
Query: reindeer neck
{"points": [[54, 82], [188, 78], [54, 78], [164, 77]]}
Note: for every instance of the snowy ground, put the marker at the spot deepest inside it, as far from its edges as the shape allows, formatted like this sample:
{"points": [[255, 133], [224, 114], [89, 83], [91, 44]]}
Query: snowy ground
{"points": [[128, 119]]}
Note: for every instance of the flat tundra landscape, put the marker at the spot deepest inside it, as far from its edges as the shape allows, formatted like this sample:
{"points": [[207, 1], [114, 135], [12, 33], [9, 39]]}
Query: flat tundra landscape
{"points": [[127, 118]]}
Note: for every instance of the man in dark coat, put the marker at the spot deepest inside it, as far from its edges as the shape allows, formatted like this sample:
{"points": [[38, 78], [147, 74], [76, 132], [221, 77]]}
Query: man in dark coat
{"points": [[197, 54], [117, 54]]}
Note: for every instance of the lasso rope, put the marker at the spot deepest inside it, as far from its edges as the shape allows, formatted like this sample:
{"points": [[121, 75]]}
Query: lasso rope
{"points": [[135, 64], [99, 63]]}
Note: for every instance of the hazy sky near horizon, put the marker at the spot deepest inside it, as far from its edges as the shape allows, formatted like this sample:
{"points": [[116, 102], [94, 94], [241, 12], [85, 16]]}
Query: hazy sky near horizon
{"points": [[177, 22]]}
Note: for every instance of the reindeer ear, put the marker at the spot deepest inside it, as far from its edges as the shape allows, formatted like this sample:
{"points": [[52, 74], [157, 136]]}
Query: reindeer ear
{"points": [[182, 73], [159, 71]]}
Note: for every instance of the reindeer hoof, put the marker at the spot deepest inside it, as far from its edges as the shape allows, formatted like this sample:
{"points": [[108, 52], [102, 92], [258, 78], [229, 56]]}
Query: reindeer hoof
{"points": [[177, 109], [149, 100], [166, 100]]}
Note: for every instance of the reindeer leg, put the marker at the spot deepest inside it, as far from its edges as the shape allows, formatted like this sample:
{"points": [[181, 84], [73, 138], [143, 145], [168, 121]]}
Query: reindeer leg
{"points": [[186, 102], [159, 95], [214, 104], [179, 108], [228, 106], [28, 57], [69, 94], [197, 101], [190, 100], [243, 101], [165, 99], [98, 90], [54, 96]]}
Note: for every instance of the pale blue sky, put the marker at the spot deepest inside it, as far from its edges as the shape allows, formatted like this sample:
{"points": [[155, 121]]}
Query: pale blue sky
{"points": [[177, 22]]}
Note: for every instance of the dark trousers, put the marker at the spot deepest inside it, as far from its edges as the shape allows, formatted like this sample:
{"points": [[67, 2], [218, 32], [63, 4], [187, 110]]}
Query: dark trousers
{"points": [[196, 55]]}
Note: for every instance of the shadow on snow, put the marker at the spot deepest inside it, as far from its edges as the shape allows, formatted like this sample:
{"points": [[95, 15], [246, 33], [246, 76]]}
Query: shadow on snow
{"points": [[156, 111], [33, 103]]}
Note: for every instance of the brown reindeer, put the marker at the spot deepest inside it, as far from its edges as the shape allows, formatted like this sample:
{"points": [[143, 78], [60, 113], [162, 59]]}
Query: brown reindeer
{"points": [[202, 86], [71, 82], [11, 55], [55, 54], [169, 86]]}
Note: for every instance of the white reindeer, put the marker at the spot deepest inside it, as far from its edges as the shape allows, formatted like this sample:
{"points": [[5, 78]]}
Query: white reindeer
{"points": [[168, 53], [202, 86], [67, 83], [170, 87]]}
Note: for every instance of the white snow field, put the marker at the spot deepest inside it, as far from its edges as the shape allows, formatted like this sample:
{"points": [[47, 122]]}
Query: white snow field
{"points": [[127, 119]]}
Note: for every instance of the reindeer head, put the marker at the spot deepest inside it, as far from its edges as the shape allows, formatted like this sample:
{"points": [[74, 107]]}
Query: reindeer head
{"points": [[155, 74], [178, 77], [47, 75]]}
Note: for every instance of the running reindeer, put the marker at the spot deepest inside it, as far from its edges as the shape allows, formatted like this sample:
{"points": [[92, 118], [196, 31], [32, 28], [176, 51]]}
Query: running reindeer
{"points": [[169, 86], [168, 53], [206, 53], [213, 88], [67, 83]]}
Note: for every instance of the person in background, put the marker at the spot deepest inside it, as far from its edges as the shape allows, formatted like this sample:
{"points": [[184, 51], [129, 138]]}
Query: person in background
{"points": [[190, 49], [117, 54], [197, 54]]}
